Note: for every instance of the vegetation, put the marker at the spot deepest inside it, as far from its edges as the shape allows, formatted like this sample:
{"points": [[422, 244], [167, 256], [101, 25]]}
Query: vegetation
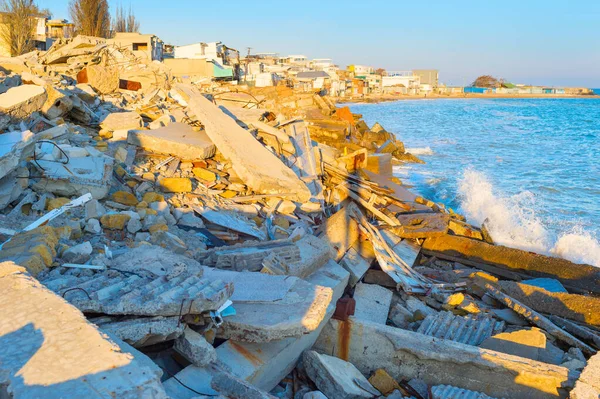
{"points": [[91, 17], [19, 25], [487, 81], [125, 22]]}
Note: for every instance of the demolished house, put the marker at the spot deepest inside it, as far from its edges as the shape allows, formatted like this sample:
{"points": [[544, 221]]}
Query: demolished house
{"points": [[163, 240]]}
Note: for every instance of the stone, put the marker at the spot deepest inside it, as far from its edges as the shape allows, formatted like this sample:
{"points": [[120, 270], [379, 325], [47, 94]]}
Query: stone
{"points": [[41, 358], [121, 121], [194, 347], [158, 227], [314, 395], [234, 387], [78, 254], [114, 221], [372, 303], [134, 225], [383, 382], [125, 198], [256, 166], [191, 220], [151, 196], [405, 355], [94, 209], [419, 309], [177, 139], [103, 79], [142, 331], [93, 226], [336, 378], [175, 184], [56, 203], [523, 343], [21, 101], [341, 230], [168, 240]]}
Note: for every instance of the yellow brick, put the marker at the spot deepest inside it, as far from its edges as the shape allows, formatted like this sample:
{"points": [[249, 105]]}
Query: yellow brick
{"points": [[125, 198], [151, 196], [158, 227], [175, 184], [56, 203], [114, 221], [383, 382], [148, 176], [228, 194], [204, 174]]}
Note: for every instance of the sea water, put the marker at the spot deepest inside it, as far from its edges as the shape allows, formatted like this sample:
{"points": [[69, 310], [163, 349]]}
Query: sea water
{"points": [[531, 167]]}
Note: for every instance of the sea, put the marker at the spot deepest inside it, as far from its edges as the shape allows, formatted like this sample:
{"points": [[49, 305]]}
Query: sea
{"points": [[530, 167]]}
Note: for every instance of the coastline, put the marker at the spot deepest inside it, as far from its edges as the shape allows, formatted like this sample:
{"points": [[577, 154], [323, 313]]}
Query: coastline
{"points": [[376, 99]]}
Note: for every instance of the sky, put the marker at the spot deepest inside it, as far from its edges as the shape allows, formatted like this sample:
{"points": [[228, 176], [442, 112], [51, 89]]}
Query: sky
{"points": [[549, 42]]}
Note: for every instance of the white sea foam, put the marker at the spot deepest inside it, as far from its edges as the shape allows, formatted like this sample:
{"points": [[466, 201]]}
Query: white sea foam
{"points": [[512, 221], [420, 151]]}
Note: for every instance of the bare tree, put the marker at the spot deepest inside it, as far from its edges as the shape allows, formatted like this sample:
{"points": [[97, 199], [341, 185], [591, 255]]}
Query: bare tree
{"points": [[487, 81], [91, 17], [125, 23], [19, 20]]}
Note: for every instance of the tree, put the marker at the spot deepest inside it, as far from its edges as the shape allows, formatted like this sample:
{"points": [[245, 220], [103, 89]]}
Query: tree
{"points": [[18, 32], [381, 71], [487, 81], [91, 17], [125, 23]]}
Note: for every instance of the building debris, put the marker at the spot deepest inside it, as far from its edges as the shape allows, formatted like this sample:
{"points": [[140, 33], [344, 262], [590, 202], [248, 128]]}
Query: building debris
{"points": [[211, 229]]}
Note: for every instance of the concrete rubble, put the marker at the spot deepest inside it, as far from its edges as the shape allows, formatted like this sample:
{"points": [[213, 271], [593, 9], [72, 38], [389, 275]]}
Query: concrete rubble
{"points": [[163, 238]]}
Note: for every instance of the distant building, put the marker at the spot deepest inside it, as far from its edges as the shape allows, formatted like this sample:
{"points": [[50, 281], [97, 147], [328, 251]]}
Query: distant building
{"points": [[149, 47], [402, 79], [298, 60], [428, 77], [361, 70], [46, 32], [214, 60]]}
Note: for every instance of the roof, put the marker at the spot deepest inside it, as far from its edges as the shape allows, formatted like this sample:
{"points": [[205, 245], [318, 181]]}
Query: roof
{"points": [[312, 75]]}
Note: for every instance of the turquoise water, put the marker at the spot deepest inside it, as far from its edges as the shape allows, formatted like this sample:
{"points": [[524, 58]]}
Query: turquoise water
{"points": [[529, 166]]}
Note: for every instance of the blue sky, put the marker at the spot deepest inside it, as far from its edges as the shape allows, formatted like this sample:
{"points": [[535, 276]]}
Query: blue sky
{"points": [[527, 41]]}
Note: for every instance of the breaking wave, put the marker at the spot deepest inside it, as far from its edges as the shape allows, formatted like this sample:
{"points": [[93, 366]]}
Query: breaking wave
{"points": [[420, 151], [512, 221]]}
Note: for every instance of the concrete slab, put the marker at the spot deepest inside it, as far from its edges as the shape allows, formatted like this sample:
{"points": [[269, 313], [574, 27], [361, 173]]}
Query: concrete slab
{"points": [[121, 121], [264, 364], [142, 331], [259, 168], [405, 354], [177, 139], [49, 350], [21, 101], [356, 265], [372, 303], [14, 146], [340, 230], [271, 307], [112, 292]]}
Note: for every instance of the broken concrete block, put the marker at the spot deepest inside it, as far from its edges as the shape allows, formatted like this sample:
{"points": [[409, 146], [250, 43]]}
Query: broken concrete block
{"points": [[167, 240], [80, 253], [114, 293], [341, 230], [471, 330], [94, 210], [103, 79], [405, 354], [585, 277], [372, 302], [121, 121], [234, 387], [142, 331], [314, 253], [528, 343], [380, 164], [78, 177], [450, 392], [14, 146], [271, 307], [57, 103], [175, 184], [194, 347], [22, 101], [93, 226], [422, 225], [40, 358], [177, 139], [356, 265], [259, 168], [125, 198], [582, 308], [336, 378], [588, 384]]}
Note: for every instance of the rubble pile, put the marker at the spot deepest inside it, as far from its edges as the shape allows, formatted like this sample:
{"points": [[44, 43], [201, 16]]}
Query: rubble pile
{"points": [[174, 240]]}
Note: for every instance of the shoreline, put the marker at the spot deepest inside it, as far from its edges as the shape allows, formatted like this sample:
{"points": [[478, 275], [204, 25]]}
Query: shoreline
{"points": [[383, 98]]}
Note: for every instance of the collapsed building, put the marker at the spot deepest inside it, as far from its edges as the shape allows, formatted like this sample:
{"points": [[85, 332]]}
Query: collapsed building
{"points": [[165, 239]]}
